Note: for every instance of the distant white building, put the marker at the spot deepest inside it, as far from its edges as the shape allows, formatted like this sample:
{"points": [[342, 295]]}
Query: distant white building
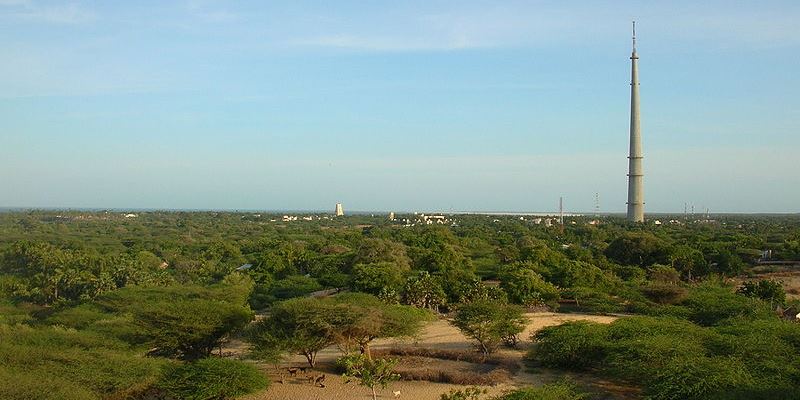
{"points": [[131, 215], [339, 210]]}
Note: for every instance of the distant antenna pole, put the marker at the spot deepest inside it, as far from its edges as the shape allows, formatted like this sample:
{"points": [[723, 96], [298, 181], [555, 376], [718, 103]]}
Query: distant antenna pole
{"points": [[561, 210], [596, 204], [685, 210]]}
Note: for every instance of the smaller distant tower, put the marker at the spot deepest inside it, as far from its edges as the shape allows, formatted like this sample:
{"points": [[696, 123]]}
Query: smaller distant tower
{"points": [[391, 216], [561, 211], [339, 210], [596, 204]]}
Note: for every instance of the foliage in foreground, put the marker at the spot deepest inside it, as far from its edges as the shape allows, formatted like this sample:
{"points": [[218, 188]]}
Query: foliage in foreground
{"points": [[58, 363], [211, 379], [671, 358]]}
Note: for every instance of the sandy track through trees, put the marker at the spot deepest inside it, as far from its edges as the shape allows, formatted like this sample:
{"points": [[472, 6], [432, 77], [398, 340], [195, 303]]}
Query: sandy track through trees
{"points": [[438, 334]]}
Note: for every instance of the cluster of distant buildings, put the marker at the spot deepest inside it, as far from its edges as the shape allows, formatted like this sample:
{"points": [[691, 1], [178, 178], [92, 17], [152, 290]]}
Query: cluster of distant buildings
{"points": [[424, 219]]}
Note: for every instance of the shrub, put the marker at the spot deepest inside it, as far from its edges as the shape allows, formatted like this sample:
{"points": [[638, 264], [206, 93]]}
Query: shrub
{"points": [[592, 299], [11, 314], [526, 287], [15, 385], [712, 303], [664, 293], [767, 290], [554, 391], [211, 379], [688, 378], [470, 393], [294, 286], [578, 345], [88, 361]]}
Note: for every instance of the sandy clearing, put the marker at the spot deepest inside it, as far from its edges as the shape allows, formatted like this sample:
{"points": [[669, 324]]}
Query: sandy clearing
{"points": [[438, 334]]}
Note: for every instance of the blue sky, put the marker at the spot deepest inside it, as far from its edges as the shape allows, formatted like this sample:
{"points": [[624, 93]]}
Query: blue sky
{"points": [[413, 105]]}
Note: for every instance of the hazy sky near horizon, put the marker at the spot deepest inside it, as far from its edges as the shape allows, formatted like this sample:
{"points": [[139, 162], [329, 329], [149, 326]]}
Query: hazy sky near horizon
{"points": [[412, 105]]}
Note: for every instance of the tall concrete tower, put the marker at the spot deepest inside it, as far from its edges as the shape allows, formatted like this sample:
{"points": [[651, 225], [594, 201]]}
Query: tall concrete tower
{"points": [[635, 171]]}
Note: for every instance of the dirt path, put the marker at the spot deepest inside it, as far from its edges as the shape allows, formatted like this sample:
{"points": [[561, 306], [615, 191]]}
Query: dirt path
{"points": [[437, 334]]}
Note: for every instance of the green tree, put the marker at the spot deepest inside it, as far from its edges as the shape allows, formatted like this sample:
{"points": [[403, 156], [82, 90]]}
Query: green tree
{"points": [[374, 251], [371, 373], [526, 287], [424, 291], [377, 277], [302, 325], [638, 248], [689, 262], [365, 318], [489, 323]]}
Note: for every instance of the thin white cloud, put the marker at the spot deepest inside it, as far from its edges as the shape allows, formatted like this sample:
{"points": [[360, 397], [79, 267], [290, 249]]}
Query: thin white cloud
{"points": [[58, 14], [210, 11], [534, 24]]}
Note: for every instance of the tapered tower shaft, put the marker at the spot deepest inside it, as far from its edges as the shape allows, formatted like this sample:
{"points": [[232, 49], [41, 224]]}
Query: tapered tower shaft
{"points": [[635, 171]]}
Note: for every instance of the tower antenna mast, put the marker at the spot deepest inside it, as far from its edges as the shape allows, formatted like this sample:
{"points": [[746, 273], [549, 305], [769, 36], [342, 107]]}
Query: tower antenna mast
{"points": [[635, 170]]}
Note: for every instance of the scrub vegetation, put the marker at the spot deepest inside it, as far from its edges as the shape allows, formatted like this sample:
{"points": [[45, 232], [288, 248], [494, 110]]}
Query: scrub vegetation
{"points": [[97, 305]]}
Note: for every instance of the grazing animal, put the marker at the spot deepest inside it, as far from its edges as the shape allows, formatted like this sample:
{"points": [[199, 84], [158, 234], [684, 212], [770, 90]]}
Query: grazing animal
{"points": [[396, 394], [303, 370], [292, 371], [320, 380]]}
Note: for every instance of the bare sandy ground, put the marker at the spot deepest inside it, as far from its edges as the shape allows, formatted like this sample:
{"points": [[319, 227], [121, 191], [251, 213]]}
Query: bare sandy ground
{"points": [[437, 334]]}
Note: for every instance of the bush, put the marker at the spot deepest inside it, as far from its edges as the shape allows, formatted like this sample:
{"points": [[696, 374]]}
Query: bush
{"points": [[711, 303], [211, 379], [526, 287], [11, 314], [89, 362], [578, 345], [553, 391], [15, 385], [294, 286], [688, 378], [594, 300], [672, 358], [664, 293], [470, 393], [767, 290]]}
